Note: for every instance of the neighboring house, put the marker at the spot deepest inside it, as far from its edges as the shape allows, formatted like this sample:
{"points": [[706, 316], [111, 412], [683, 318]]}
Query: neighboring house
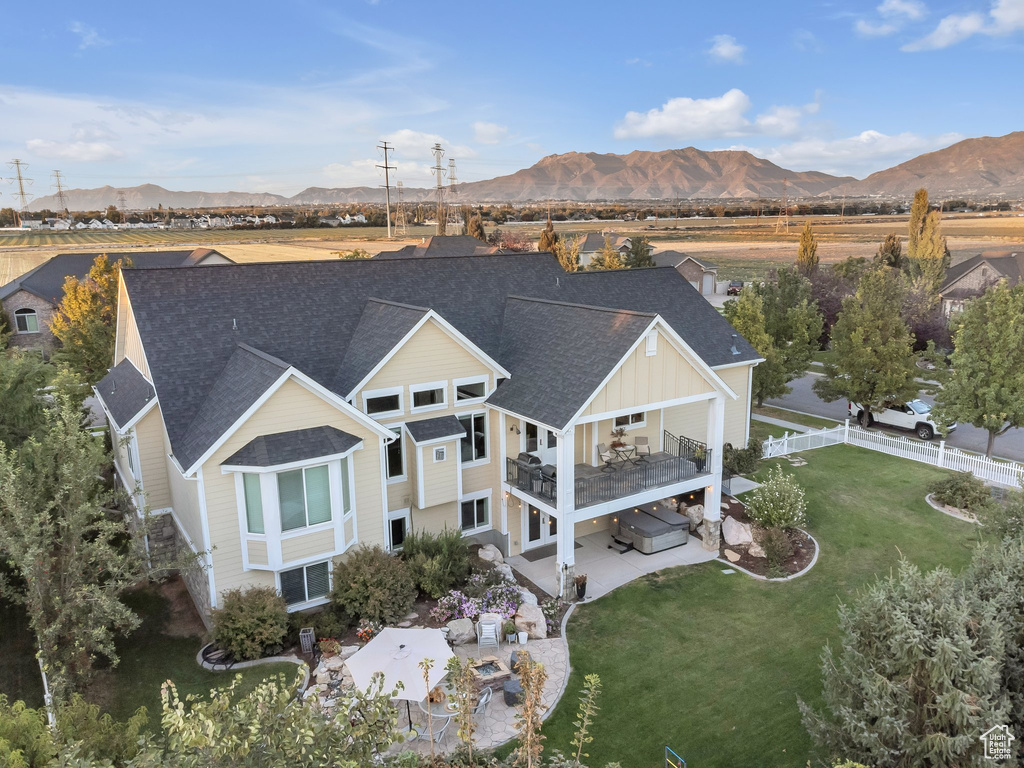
{"points": [[30, 300], [441, 246], [702, 275], [593, 243], [973, 276], [318, 406]]}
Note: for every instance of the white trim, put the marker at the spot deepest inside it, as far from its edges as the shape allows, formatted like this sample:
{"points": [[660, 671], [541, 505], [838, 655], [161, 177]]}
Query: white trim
{"points": [[755, 361], [428, 387], [434, 441], [442, 450], [404, 513], [631, 425], [456, 383], [316, 600], [228, 468], [487, 436], [293, 533], [204, 521], [372, 394], [128, 302], [134, 419], [384, 502], [452, 331], [521, 417], [651, 348], [405, 459], [750, 391], [606, 415], [421, 492], [183, 531], [475, 496]]}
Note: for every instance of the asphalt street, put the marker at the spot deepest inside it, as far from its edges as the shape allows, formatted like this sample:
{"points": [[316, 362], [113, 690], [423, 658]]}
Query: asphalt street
{"points": [[802, 398]]}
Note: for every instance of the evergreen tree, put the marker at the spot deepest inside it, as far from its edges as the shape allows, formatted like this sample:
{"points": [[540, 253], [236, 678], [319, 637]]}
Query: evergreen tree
{"points": [[807, 255], [548, 238], [930, 258], [475, 227], [747, 316], [917, 677], [5, 330], [918, 211], [606, 258], [22, 376], [85, 319], [871, 360], [986, 385], [72, 558], [639, 255], [890, 252], [792, 320]]}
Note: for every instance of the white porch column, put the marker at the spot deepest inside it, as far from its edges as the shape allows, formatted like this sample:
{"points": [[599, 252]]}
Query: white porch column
{"points": [[565, 559], [713, 492]]}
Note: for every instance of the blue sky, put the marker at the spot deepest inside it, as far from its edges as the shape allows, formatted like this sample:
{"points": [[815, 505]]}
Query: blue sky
{"points": [[280, 96]]}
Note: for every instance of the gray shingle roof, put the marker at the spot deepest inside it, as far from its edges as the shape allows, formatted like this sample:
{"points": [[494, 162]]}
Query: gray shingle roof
{"points": [[47, 280], [382, 325], [435, 429], [559, 354], [443, 246], [287, 447], [675, 258], [125, 392], [311, 313], [1007, 263]]}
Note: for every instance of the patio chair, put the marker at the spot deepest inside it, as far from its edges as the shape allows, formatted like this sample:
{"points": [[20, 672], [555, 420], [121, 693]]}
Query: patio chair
{"points": [[487, 631], [607, 457], [483, 701], [643, 446], [439, 732]]}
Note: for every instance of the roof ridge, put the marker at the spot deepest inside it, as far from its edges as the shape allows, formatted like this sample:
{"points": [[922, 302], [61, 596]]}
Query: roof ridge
{"points": [[585, 306], [582, 272], [397, 304], [264, 355]]}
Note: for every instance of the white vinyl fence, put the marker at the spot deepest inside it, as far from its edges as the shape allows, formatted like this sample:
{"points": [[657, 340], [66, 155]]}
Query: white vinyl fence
{"points": [[1005, 473]]}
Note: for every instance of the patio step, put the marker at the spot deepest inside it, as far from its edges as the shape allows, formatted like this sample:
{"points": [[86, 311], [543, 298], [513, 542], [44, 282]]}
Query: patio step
{"points": [[626, 545]]}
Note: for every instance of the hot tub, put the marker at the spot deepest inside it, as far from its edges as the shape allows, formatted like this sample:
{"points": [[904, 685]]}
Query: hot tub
{"points": [[652, 527]]}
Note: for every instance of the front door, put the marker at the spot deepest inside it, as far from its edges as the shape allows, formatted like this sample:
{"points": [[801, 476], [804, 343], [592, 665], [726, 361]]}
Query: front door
{"points": [[542, 443], [541, 529]]}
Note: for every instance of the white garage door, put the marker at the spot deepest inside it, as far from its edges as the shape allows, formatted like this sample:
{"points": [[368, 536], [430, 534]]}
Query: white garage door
{"points": [[709, 285], [694, 284]]}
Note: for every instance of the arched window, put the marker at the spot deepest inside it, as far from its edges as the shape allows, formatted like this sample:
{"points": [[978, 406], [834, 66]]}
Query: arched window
{"points": [[26, 321]]}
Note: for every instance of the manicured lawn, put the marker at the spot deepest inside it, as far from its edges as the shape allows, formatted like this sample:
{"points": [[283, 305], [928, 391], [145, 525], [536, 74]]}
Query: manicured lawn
{"points": [[712, 664], [150, 656]]}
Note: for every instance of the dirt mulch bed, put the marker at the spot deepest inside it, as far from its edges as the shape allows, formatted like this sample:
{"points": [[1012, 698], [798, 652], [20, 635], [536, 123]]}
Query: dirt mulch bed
{"points": [[183, 620]]}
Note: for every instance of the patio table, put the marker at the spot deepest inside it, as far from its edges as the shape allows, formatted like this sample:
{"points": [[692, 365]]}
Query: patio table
{"points": [[440, 709], [627, 455]]}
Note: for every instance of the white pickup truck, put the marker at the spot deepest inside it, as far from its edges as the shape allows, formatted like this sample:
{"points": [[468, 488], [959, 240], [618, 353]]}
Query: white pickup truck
{"points": [[914, 416]]}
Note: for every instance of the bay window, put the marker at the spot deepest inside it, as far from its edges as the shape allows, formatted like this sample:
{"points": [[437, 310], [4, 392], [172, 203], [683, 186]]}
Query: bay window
{"points": [[304, 496]]}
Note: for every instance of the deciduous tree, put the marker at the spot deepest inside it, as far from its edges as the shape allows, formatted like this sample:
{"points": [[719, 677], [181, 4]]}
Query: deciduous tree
{"points": [[607, 258], [890, 252], [807, 255], [746, 313], [871, 360], [792, 319], [548, 238], [567, 251], [918, 211], [22, 377], [475, 227], [986, 385]]}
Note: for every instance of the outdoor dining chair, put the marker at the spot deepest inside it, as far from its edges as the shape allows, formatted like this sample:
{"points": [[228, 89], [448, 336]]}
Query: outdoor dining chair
{"points": [[439, 732], [607, 457], [483, 701], [487, 629], [643, 446]]}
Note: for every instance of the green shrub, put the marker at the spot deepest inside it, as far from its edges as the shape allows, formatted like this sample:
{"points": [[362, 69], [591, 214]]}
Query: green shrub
{"points": [[251, 624], [329, 622], [439, 563], [961, 490], [777, 547], [25, 739], [98, 735], [371, 584], [742, 461], [778, 502]]}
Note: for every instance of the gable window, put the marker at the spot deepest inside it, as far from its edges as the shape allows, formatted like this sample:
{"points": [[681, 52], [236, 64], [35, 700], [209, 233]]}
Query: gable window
{"points": [[395, 455], [652, 344], [630, 420], [383, 405], [253, 503], [475, 515], [26, 321], [474, 442], [305, 497], [428, 397], [300, 585], [470, 389]]}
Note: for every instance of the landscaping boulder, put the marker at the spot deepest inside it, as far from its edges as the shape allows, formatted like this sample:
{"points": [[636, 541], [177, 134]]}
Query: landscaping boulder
{"points": [[506, 571], [736, 533], [348, 650], [461, 631], [526, 596], [333, 663], [530, 619], [491, 554], [731, 556], [755, 550], [696, 516]]}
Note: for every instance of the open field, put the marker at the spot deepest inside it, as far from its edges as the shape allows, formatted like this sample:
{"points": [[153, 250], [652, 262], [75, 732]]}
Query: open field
{"points": [[742, 248]]}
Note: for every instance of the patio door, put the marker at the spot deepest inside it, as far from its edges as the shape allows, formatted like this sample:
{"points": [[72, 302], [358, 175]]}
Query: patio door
{"points": [[541, 529], [541, 442]]}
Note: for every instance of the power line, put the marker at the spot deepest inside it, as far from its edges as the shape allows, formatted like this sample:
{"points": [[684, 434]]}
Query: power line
{"points": [[452, 206], [58, 184], [21, 194], [441, 219], [122, 204], [387, 183], [400, 215]]}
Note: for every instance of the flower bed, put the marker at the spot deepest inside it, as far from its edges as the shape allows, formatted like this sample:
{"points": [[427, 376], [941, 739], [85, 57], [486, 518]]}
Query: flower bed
{"points": [[483, 593]]}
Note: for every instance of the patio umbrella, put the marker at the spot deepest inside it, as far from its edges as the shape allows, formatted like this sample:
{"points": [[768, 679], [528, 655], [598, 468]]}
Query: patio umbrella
{"points": [[397, 654]]}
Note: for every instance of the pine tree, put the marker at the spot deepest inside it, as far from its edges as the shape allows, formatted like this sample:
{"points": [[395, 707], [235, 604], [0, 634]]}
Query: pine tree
{"points": [[747, 317], [890, 252], [917, 676], [986, 385], [22, 376], [85, 319], [548, 238], [606, 258], [639, 255], [807, 255], [871, 360]]}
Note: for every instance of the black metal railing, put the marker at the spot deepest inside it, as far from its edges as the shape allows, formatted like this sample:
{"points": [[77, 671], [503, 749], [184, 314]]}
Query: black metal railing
{"points": [[530, 478], [689, 449]]}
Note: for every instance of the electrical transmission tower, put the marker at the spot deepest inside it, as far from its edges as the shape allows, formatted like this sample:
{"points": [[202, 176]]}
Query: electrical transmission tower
{"points": [[400, 213], [441, 218], [122, 206], [452, 206], [58, 185], [387, 183], [782, 225], [17, 165]]}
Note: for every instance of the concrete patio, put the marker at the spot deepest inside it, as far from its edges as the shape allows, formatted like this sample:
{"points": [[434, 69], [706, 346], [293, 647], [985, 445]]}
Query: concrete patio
{"points": [[607, 568]]}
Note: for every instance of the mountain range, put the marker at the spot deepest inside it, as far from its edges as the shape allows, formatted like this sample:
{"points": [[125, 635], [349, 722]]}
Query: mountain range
{"points": [[981, 167]]}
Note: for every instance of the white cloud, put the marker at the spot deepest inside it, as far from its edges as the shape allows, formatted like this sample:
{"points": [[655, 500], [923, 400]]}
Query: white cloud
{"points": [[725, 48], [858, 155], [75, 151], [806, 41], [1005, 17], [418, 144], [910, 9], [893, 14], [638, 62], [871, 29], [722, 116], [489, 133], [88, 37]]}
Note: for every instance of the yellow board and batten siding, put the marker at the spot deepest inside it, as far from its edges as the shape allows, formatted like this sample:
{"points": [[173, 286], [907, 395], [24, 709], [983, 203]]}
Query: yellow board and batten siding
{"points": [[292, 407], [152, 464]]}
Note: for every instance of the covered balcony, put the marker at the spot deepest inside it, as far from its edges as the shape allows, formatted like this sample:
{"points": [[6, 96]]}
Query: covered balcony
{"points": [[624, 473]]}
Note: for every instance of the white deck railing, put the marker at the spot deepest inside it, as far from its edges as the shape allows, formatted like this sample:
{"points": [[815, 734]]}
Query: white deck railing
{"points": [[1005, 473]]}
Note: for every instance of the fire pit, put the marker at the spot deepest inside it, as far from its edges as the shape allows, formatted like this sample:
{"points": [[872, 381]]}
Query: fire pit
{"points": [[489, 670]]}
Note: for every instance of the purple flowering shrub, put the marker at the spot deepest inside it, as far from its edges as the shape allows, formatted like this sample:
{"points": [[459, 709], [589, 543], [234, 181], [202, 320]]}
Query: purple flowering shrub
{"points": [[483, 593]]}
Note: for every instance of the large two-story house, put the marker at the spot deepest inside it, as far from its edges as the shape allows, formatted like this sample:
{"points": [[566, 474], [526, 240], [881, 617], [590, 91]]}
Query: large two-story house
{"points": [[277, 415]]}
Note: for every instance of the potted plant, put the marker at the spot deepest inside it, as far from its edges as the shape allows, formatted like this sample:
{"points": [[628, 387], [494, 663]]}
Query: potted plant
{"points": [[510, 632], [700, 457], [329, 647], [580, 580], [617, 434]]}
